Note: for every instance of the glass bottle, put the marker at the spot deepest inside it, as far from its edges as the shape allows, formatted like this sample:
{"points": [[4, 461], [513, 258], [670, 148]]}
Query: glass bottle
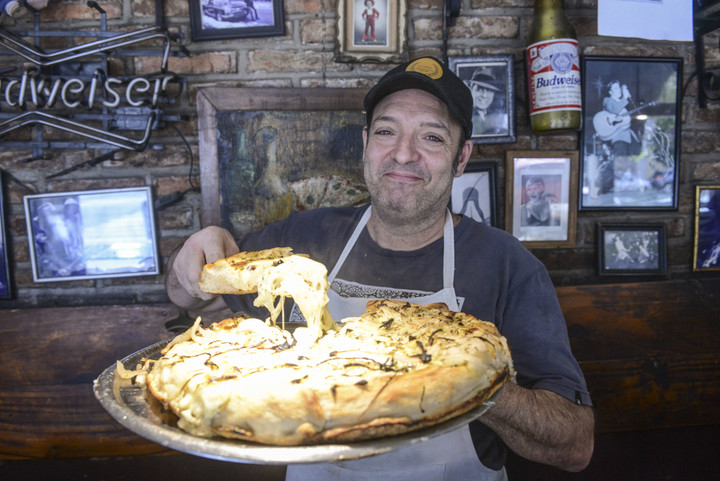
{"points": [[553, 70]]}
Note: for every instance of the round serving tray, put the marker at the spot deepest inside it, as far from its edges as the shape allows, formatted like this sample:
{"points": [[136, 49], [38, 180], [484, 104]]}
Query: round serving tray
{"points": [[132, 406]]}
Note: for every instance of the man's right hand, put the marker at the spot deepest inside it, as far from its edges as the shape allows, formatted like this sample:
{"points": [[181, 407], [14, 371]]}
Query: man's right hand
{"points": [[184, 268]]}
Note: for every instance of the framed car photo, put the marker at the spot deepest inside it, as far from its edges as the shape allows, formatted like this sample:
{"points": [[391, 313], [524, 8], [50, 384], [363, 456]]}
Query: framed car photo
{"points": [[541, 197], [92, 234], [227, 19], [630, 142], [625, 249], [474, 193], [706, 250], [491, 82]]}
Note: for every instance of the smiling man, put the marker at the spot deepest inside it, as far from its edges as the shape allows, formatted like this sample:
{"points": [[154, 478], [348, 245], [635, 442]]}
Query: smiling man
{"points": [[407, 246]]}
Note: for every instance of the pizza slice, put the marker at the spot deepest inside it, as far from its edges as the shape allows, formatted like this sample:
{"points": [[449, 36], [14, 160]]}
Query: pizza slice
{"points": [[274, 274]]}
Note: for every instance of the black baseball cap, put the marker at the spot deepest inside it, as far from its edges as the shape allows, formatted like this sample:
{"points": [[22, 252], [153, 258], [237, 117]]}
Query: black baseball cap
{"points": [[431, 75]]}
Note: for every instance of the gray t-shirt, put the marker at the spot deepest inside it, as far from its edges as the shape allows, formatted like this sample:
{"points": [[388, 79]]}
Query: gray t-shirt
{"points": [[496, 280]]}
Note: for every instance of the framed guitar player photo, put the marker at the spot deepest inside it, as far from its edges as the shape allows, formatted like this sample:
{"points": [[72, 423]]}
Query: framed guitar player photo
{"points": [[630, 142]]}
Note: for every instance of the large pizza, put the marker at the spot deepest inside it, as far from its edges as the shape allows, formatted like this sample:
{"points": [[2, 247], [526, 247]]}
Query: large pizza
{"points": [[397, 368]]}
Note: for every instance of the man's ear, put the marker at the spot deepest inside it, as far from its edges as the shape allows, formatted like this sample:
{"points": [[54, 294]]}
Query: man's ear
{"points": [[464, 158]]}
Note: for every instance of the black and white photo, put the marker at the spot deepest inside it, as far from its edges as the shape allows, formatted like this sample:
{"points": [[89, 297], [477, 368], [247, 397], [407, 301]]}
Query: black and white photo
{"points": [[632, 249], [475, 191], [706, 256], [225, 19], [491, 82], [92, 234], [631, 133]]}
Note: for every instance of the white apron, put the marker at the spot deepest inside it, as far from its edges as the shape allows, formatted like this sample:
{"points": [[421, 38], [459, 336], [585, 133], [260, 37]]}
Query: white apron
{"points": [[449, 457]]}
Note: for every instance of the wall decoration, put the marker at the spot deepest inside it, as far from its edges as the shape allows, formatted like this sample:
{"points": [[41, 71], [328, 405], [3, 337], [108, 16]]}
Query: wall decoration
{"points": [[372, 31], [492, 83], [541, 197], [706, 251], [223, 19], [5, 279], [630, 141], [267, 152], [625, 249], [474, 193], [92, 234]]}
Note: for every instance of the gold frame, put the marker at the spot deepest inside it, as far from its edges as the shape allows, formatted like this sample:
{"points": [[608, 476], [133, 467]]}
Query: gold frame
{"points": [[394, 47], [549, 165]]}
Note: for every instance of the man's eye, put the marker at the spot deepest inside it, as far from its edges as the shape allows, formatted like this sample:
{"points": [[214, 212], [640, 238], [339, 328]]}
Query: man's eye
{"points": [[435, 138]]}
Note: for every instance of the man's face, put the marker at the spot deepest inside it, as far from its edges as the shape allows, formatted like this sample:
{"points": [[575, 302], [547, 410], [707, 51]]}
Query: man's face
{"points": [[410, 148], [482, 97]]}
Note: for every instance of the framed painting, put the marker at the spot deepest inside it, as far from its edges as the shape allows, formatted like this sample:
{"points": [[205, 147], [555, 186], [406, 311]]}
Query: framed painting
{"points": [[630, 142], [226, 19], [492, 84], [372, 31], [474, 193], [625, 249], [541, 197], [267, 152], [5, 279], [92, 234], [706, 245]]}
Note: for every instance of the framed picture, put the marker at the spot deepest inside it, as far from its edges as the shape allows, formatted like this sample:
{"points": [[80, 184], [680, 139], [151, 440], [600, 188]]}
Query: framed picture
{"points": [[372, 30], [475, 191], [706, 251], [625, 249], [492, 84], [630, 142], [5, 279], [541, 197], [223, 19], [92, 234]]}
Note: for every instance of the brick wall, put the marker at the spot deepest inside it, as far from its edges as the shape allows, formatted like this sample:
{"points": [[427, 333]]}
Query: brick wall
{"points": [[303, 57]]}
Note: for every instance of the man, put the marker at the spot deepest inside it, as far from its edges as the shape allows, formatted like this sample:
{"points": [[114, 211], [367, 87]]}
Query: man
{"points": [[484, 89], [404, 247]]}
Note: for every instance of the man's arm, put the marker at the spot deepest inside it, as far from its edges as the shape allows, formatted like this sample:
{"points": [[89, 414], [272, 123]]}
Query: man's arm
{"points": [[185, 265], [543, 426]]}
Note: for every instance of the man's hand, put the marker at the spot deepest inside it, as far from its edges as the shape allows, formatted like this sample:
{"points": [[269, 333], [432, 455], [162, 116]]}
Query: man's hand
{"points": [[184, 268], [543, 426]]}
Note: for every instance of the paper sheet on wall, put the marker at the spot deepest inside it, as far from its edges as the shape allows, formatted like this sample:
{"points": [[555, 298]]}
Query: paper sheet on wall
{"points": [[650, 19]]}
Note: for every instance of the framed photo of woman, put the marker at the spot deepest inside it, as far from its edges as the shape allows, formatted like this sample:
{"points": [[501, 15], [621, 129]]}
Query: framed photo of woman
{"points": [[630, 143], [491, 82], [541, 197], [475, 191]]}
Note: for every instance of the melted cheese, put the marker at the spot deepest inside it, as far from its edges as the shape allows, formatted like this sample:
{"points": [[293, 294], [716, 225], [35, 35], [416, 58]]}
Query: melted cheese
{"points": [[306, 282]]}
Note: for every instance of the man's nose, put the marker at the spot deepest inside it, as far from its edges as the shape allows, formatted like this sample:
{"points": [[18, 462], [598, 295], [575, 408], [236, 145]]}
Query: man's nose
{"points": [[406, 149]]}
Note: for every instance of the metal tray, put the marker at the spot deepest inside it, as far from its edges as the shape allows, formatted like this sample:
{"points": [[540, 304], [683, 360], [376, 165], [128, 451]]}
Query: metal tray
{"points": [[132, 406]]}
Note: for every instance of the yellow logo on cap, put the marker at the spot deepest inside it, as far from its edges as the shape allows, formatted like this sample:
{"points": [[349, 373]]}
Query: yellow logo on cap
{"points": [[426, 66]]}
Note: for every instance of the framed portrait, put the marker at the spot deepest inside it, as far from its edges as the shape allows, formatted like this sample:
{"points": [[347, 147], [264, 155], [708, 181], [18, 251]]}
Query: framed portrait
{"points": [[492, 83], [706, 247], [92, 234], [372, 31], [5, 279], [625, 249], [630, 141], [474, 193], [541, 197], [224, 19]]}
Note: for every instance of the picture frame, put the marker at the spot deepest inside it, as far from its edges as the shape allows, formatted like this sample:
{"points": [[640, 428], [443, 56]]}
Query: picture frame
{"points": [[474, 193], [541, 197], [6, 288], [228, 19], [632, 249], [372, 31], [492, 82], [706, 245], [630, 140], [92, 234]]}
